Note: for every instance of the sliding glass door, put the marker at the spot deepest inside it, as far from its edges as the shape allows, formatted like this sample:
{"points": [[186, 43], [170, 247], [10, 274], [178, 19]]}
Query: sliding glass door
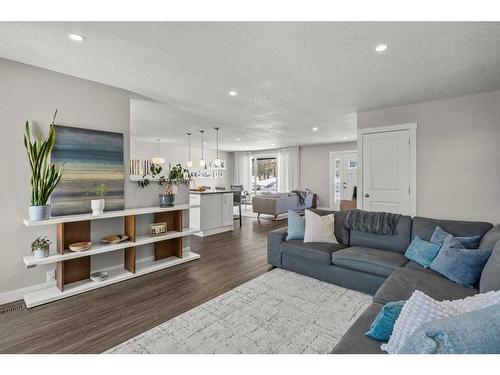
{"points": [[264, 175]]}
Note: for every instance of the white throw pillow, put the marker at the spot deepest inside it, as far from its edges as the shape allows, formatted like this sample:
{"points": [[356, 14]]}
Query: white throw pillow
{"points": [[421, 309], [319, 228]]}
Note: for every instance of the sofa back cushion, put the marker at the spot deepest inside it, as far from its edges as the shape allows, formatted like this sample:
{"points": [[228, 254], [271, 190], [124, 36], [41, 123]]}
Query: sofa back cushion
{"points": [[491, 238], [398, 241], [490, 278], [424, 227]]}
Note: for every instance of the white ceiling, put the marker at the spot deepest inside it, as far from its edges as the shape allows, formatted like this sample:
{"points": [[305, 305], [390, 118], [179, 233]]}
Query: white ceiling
{"points": [[290, 76]]}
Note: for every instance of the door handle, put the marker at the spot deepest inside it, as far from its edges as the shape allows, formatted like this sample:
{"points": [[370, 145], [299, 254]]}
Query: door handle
{"points": [[367, 195]]}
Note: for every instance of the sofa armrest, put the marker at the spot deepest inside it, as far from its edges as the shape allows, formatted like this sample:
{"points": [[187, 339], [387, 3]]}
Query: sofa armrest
{"points": [[274, 240]]}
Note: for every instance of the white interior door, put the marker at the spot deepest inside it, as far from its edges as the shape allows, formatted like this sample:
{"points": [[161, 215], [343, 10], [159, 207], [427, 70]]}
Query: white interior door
{"points": [[386, 172], [349, 174], [343, 176]]}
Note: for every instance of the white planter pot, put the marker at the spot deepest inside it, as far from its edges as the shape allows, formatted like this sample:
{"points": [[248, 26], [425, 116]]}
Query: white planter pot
{"points": [[38, 213], [41, 253], [97, 206]]}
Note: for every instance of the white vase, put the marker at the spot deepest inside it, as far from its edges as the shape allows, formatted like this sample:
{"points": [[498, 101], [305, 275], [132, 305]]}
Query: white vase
{"points": [[38, 213], [97, 206], [41, 252]]}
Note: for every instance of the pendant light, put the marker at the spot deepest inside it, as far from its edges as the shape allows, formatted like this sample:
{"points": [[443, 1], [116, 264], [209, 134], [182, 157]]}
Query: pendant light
{"points": [[202, 161], [189, 162], [158, 159], [217, 162]]}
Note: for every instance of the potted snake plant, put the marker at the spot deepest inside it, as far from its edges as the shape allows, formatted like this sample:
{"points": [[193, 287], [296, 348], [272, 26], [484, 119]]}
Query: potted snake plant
{"points": [[44, 175], [177, 175]]}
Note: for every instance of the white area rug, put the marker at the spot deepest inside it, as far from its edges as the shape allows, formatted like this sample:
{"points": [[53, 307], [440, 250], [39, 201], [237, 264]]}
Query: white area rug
{"points": [[278, 312]]}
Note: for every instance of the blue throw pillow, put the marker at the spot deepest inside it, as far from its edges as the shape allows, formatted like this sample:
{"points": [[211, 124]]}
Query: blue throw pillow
{"points": [[440, 235], [463, 266], [475, 332], [423, 252], [382, 326], [296, 226]]}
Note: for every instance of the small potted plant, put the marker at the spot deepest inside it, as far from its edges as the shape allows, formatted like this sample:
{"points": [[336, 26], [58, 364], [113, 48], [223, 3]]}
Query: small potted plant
{"points": [[98, 205], [40, 247], [44, 175], [177, 175]]}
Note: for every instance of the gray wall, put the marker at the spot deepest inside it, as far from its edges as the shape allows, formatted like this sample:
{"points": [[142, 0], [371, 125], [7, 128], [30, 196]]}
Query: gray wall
{"points": [[458, 154], [315, 168], [29, 93]]}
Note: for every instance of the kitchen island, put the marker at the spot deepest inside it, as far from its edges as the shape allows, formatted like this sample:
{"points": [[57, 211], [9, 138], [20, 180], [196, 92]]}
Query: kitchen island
{"points": [[214, 213]]}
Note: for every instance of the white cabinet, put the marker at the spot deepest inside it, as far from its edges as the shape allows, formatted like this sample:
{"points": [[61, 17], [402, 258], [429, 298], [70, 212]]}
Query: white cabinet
{"points": [[227, 209], [215, 214]]}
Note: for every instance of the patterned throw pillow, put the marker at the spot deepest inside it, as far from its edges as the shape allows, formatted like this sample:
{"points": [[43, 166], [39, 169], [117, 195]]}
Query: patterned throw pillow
{"points": [[319, 228], [421, 309]]}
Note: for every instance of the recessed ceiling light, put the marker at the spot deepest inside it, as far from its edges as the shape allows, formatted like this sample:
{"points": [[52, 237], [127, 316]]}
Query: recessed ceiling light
{"points": [[345, 137], [205, 143], [233, 93], [381, 47], [76, 37], [272, 144], [315, 129], [237, 139]]}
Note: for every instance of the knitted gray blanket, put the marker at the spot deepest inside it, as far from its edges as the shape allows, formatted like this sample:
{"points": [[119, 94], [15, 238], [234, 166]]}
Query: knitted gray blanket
{"points": [[371, 222]]}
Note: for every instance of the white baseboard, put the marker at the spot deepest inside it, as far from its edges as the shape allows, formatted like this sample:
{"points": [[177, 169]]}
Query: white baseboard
{"points": [[210, 232], [15, 295]]}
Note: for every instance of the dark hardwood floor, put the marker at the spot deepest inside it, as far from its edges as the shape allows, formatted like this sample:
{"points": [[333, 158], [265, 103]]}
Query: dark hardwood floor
{"points": [[98, 320]]}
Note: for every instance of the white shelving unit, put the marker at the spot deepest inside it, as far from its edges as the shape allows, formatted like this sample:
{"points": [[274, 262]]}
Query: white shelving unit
{"points": [[66, 284]]}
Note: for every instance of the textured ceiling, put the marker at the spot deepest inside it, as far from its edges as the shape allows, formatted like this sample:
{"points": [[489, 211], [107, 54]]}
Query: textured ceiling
{"points": [[290, 76]]}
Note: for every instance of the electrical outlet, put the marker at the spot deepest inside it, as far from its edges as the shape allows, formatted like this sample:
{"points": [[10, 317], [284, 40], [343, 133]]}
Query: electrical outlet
{"points": [[51, 276]]}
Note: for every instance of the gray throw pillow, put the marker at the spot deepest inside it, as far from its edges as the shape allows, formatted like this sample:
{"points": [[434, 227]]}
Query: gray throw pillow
{"points": [[463, 266], [490, 278]]}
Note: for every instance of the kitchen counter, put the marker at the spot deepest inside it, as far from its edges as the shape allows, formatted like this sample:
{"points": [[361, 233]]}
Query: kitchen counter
{"points": [[213, 212], [213, 192]]}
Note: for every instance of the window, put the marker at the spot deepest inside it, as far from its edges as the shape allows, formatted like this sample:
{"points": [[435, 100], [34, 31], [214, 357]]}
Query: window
{"points": [[264, 173]]}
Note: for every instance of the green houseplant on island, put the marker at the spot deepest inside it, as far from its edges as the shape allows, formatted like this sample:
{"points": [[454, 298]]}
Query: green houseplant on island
{"points": [[44, 175], [177, 175], [98, 205]]}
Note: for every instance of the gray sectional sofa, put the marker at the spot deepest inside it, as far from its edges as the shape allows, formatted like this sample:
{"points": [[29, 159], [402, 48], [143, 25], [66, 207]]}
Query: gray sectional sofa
{"points": [[376, 265]]}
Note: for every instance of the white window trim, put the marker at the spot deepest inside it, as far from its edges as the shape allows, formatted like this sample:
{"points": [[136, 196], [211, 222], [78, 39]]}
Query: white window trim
{"points": [[412, 127]]}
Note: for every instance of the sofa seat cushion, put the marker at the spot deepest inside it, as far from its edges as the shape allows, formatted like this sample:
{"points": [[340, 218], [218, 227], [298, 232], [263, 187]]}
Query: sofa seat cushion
{"points": [[415, 266], [404, 281], [355, 340], [311, 251], [365, 259]]}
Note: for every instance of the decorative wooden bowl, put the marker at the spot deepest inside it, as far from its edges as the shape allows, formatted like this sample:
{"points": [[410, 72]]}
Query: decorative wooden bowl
{"points": [[114, 238], [80, 246]]}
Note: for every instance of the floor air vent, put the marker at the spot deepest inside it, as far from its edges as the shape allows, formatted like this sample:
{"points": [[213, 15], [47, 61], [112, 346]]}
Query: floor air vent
{"points": [[12, 307]]}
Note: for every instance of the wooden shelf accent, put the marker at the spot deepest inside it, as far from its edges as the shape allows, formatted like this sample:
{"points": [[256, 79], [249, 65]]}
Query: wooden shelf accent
{"points": [[108, 215], [171, 247], [51, 294], [31, 261], [73, 268], [69, 271], [129, 253]]}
